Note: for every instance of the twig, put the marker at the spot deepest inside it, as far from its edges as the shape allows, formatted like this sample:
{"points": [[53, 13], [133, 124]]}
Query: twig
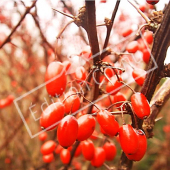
{"points": [[58, 36], [140, 12], [109, 27], [68, 15], [19, 23]]}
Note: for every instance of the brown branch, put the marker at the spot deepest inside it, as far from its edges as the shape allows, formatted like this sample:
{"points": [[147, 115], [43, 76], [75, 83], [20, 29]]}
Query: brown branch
{"points": [[160, 46], [19, 23], [109, 27], [92, 35], [94, 44], [166, 71], [159, 100], [41, 33]]}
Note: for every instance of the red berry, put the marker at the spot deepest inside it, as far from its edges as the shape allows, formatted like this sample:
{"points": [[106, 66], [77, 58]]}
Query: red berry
{"points": [[102, 131], [128, 139], [7, 160], [6, 102], [152, 2], [56, 74], [107, 122], [140, 105], [52, 115], [110, 151], [142, 8], [113, 87], [166, 128], [94, 135], [138, 155], [148, 37], [58, 149], [127, 32], [72, 102], [139, 76], [146, 56], [132, 47], [87, 125], [67, 131], [65, 156], [67, 65], [88, 150], [48, 147], [77, 165], [78, 150], [99, 157], [48, 158], [119, 97], [103, 1], [80, 74], [43, 136], [86, 55]]}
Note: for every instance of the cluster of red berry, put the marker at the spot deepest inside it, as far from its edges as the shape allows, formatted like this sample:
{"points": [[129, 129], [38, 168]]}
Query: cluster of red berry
{"points": [[75, 125]]}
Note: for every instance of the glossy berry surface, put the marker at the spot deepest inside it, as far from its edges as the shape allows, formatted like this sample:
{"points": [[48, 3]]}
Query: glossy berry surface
{"points": [[119, 97], [152, 2], [138, 155], [110, 150], [58, 149], [72, 102], [52, 115], [146, 55], [114, 86], [67, 131], [6, 102], [56, 74], [128, 139], [88, 149], [87, 125], [148, 36], [65, 156], [78, 150], [107, 122], [140, 105], [139, 76], [80, 74], [43, 136], [99, 157], [48, 147], [48, 158]]}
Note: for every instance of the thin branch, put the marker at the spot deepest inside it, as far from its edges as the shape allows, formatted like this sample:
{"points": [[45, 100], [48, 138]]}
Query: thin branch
{"points": [[41, 32], [140, 12], [109, 27], [19, 23], [166, 71], [60, 33], [65, 14]]}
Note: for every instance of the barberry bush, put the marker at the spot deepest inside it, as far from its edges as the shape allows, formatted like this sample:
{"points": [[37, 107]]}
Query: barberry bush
{"points": [[89, 80]]}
